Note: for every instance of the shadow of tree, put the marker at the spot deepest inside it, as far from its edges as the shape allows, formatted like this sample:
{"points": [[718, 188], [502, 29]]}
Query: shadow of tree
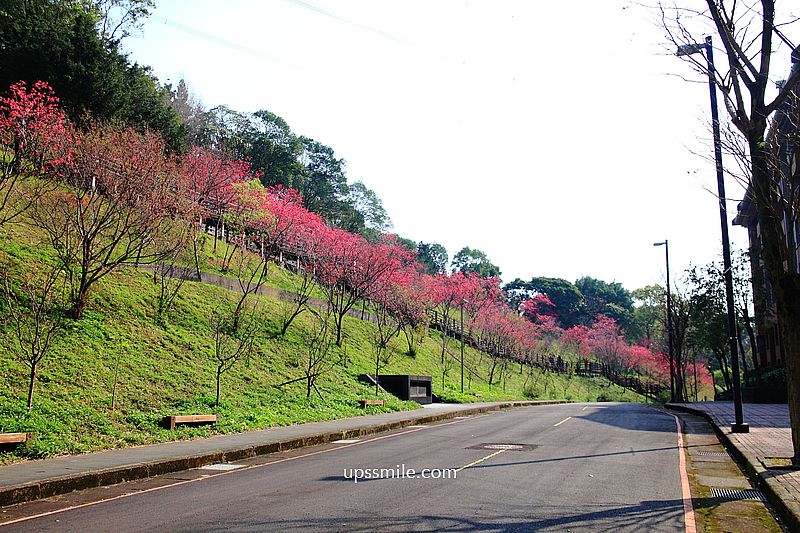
{"points": [[654, 515]]}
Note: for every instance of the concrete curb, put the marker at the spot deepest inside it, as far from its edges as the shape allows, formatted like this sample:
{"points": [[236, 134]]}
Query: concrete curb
{"points": [[59, 485], [773, 490]]}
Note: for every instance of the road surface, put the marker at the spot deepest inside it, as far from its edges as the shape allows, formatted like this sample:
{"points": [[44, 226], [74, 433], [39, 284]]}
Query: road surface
{"points": [[579, 467]]}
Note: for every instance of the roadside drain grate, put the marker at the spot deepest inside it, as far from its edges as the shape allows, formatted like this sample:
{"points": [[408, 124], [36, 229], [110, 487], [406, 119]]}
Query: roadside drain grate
{"points": [[503, 446], [714, 454], [737, 494]]}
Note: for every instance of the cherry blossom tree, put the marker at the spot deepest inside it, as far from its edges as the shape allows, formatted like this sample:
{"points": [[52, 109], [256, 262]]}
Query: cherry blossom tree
{"points": [[35, 137], [350, 269], [121, 199]]}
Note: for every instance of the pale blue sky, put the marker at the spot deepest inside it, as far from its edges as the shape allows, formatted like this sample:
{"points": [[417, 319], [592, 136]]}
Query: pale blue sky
{"points": [[552, 136]]}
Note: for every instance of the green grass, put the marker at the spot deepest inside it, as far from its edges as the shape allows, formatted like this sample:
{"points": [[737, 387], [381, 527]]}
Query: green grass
{"points": [[169, 368]]}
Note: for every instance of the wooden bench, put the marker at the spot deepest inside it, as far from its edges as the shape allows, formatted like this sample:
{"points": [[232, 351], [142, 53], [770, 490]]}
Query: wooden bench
{"points": [[14, 438], [364, 403], [170, 422]]}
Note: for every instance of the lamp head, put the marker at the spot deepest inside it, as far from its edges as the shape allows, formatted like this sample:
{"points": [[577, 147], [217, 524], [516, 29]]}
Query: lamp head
{"points": [[689, 49]]}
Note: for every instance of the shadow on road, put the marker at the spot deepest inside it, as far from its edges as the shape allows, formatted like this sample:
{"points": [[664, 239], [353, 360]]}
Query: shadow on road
{"points": [[658, 515], [635, 417]]}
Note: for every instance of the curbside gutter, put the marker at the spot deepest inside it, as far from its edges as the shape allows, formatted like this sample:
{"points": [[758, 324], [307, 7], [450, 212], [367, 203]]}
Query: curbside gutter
{"points": [[787, 507], [53, 486]]}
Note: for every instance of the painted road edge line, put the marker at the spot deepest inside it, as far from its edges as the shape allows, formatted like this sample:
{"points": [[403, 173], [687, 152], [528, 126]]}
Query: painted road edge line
{"points": [[688, 508]]}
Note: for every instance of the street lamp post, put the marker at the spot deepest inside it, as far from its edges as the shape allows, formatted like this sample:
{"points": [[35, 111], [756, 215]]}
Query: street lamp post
{"points": [[462, 345], [665, 243], [738, 426]]}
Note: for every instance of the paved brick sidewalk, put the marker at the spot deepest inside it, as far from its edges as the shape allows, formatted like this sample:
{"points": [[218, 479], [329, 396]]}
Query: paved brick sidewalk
{"points": [[769, 437]]}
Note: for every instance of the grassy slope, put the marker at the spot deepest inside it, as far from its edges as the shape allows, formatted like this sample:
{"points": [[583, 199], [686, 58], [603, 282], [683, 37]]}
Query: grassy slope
{"points": [[170, 369]]}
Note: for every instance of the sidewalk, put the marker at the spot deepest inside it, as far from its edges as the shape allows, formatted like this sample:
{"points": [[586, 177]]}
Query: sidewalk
{"points": [[36, 479], [770, 437]]}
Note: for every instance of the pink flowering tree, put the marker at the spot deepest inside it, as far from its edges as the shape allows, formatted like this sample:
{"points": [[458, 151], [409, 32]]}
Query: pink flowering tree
{"points": [[350, 269], [35, 138], [208, 180], [122, 204]]}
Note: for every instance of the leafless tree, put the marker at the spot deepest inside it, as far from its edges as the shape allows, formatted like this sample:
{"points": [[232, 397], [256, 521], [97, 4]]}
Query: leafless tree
{"points": [[750, 35], [231, 344], [119, 18], [34, 312], [318, 361], [386, 328], [292, 305], [169, 275]]}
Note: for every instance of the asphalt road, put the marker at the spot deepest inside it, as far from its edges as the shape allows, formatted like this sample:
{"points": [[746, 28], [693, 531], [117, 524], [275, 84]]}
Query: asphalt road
{"points": [[579, 467]]}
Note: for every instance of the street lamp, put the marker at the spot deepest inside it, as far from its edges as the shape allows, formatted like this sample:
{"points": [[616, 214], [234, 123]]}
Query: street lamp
{"points": [[694, 48], [462, 345], [669, 325]]}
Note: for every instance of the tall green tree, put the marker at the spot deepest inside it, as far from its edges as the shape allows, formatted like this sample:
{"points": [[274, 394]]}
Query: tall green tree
{"points": [[433, 257], [274, 150], [649, 315], [325, 183], [473, 260], [58, 41], [518, 291], [609, 299], [368, 204], [567, 298]]}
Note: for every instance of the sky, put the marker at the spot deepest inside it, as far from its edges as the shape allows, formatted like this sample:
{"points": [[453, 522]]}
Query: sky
{"points": [[562, 139]]}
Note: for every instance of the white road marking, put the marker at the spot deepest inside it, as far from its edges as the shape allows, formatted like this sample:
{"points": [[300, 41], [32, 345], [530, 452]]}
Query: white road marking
{"points": [[556, 425], [221, 466], [346, 441]]}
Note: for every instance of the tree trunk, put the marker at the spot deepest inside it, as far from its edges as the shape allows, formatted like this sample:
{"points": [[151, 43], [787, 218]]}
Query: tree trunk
{"points": [[219, 379], [79, 305], [789, 317], [31, 382], [377, 370], [748, 326], [743, 356], [780, 266], [196, 259], [339, 318], [679, 380]]}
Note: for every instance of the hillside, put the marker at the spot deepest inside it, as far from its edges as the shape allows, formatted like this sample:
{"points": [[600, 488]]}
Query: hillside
{"points": [[120, 350]]}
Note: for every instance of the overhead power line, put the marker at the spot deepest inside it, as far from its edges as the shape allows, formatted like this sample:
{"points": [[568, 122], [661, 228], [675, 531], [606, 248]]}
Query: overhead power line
{"points": [[220, 41], [317, 9]]}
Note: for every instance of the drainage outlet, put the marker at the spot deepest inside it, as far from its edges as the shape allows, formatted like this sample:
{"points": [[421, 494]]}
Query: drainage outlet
{"points": [[221, 467], [737, 494], [713, 454]]}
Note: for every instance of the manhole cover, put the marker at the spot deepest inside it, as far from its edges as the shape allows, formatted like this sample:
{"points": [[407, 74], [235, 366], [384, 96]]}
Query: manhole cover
{"points": [[713, 454], [503, 446], [736, 494]]}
